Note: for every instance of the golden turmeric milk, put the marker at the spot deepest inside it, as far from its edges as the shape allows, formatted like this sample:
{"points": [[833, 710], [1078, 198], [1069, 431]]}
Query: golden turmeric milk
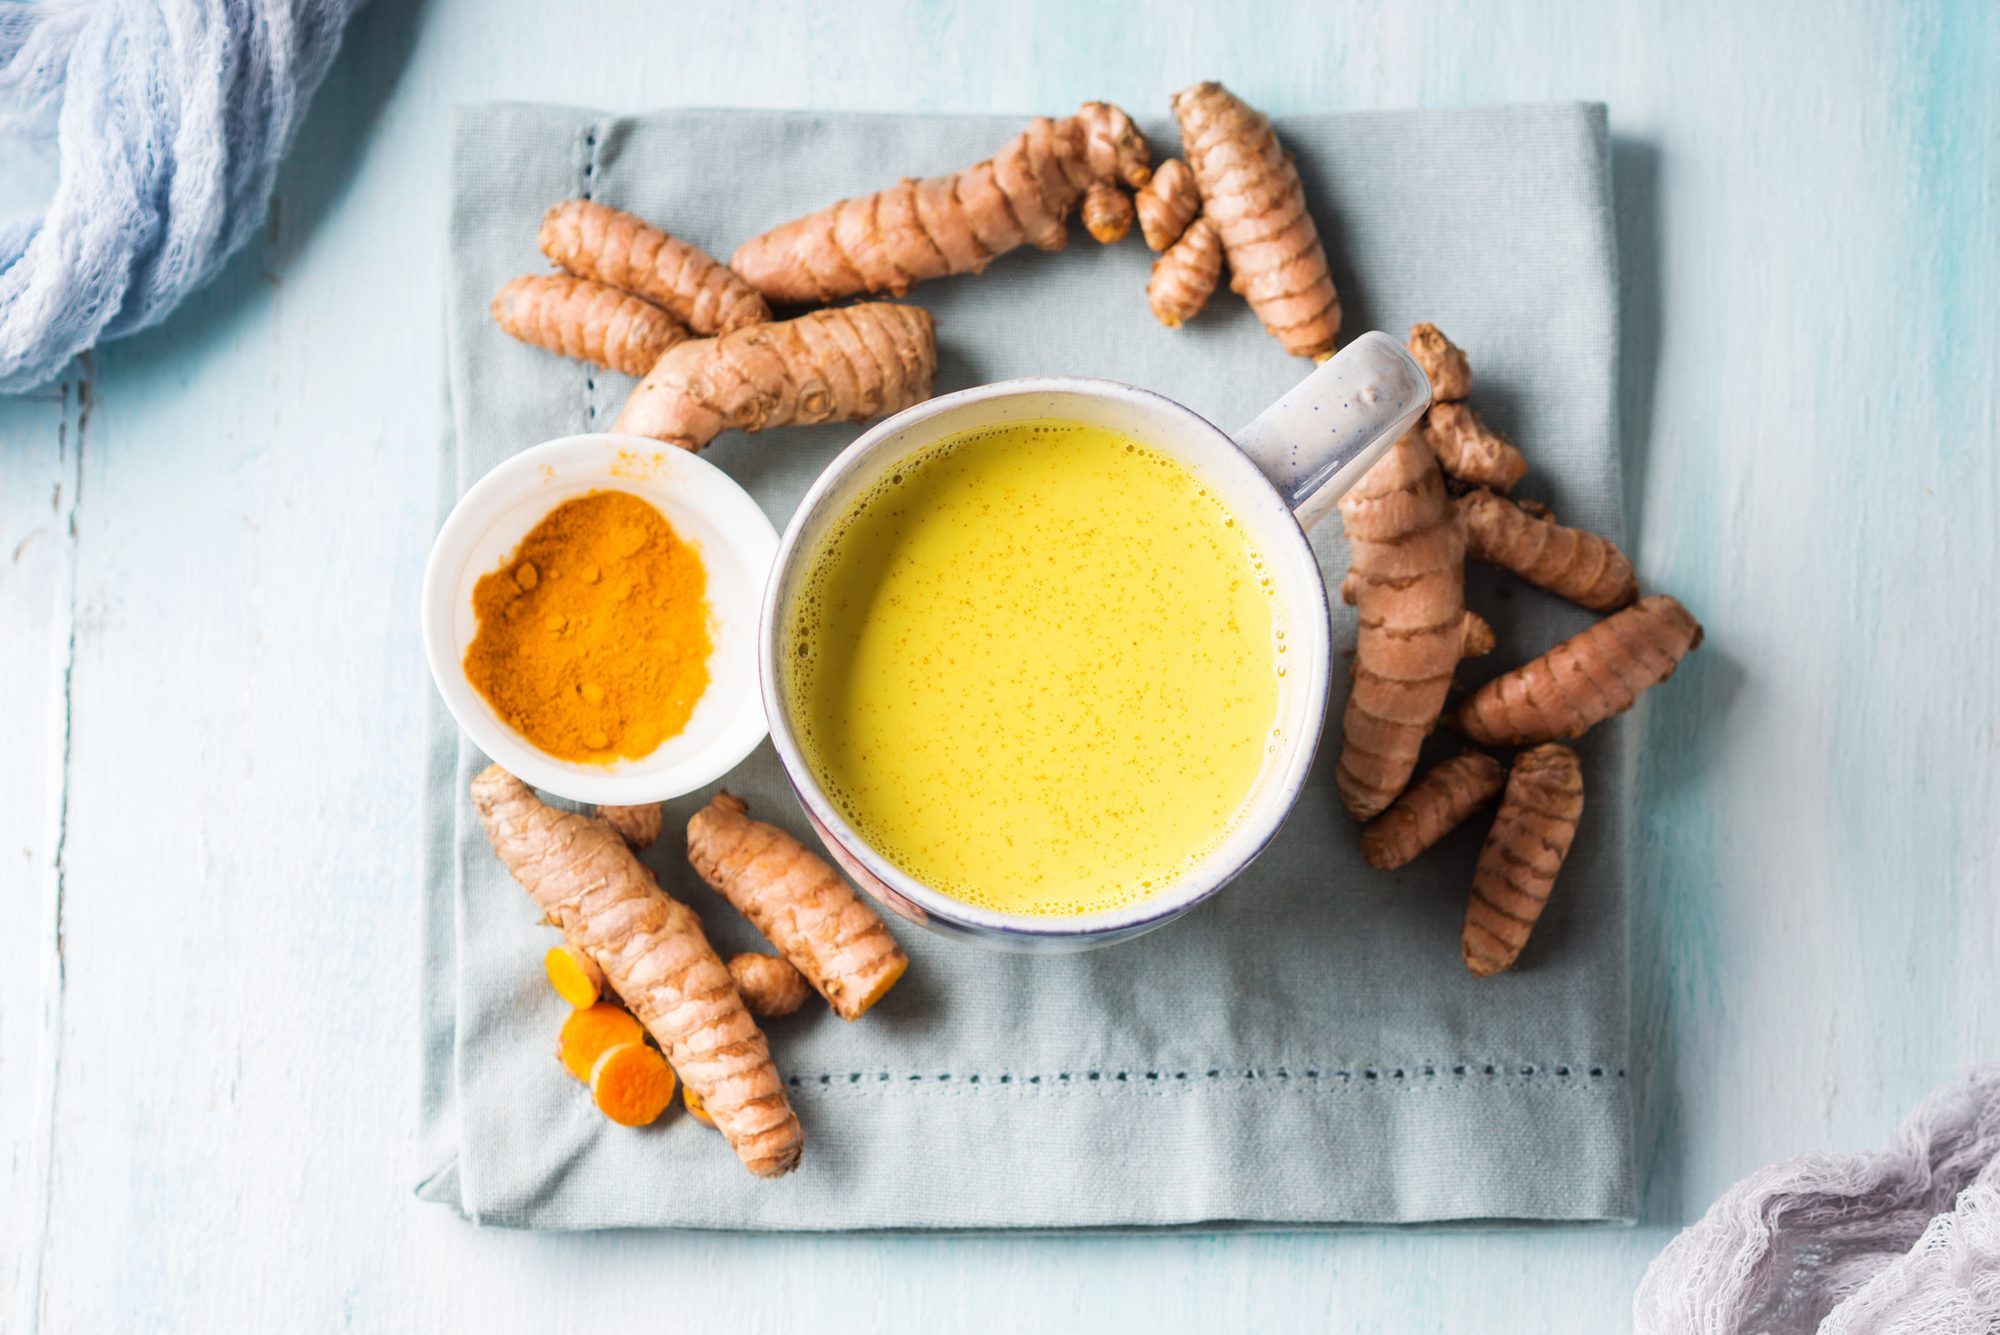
{"points": [[1038, 668], [593, 637]]}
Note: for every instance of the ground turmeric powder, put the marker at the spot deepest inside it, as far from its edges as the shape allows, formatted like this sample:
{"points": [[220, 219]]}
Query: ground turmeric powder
{"points": [[593, 636]]}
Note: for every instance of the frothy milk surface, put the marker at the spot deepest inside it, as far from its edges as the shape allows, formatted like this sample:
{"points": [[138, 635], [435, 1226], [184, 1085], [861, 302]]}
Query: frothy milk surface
{"points": [[1038, 668]]}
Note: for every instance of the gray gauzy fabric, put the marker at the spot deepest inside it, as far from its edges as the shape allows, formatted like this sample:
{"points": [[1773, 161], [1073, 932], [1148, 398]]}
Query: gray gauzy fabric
{"points": [[1305, 1049]]}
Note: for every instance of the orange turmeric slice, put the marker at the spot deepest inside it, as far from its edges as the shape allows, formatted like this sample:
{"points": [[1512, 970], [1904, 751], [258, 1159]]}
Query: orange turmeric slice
{"points": [[632, 1084], [588, 1033], [574, 975], [696, 1108]]}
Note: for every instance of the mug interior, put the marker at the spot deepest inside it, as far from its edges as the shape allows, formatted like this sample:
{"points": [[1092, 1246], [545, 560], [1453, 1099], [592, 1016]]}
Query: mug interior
{"points": [[1300, 610]]}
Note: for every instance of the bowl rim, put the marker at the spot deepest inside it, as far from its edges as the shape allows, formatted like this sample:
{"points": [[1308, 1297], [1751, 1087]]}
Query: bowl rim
{"points": [[1274, 523], [749, 536]]}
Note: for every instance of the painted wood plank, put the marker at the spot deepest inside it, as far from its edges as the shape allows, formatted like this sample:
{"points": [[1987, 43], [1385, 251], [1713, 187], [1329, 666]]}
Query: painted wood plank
{"points": [[41, 440], [1810, 260]]}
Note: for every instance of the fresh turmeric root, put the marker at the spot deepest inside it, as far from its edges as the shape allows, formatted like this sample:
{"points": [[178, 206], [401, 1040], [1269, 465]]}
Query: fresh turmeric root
{"points": [[1167, 204], [771, 987], [1517, 867], [574, 975], [1570, 562], [1466, 447], [838, 365], [653, 952], [1584, 680], [1433, 807], [1107, 213], [1408, 586], [949, 224], [800, 904], [591, 322], [1185, 277], [638, 826], [696, 1108], [1251, 191], [613, 247], [632, 1084], [590, 1031]]}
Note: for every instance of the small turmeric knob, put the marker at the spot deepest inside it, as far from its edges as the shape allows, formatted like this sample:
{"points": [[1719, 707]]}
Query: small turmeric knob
{"points": [[1184, 278]]}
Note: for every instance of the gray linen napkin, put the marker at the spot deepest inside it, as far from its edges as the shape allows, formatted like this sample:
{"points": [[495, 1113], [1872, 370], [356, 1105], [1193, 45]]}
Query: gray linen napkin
{"points": [[1305, 1049]]}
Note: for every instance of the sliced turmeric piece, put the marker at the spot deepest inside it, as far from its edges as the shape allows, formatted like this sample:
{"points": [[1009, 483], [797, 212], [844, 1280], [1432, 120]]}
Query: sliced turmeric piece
{"points": [[591, 322], [1167, 204], [638, 826], [1571, 562], [1408, 585], [1107, 213], [611, 246], [1431, 808], [800, 904], [1184, 278], [574, 975], [953, 224], [839, 365], [1466, 447], [696, 1109], [1517, 868], [592, 1029], [1251, 191], [654, 953], [632, 1084], [1592, 675]]}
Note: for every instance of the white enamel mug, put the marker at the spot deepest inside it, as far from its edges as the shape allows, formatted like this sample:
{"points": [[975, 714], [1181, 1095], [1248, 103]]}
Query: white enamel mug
{"points": [[1278, 476]]}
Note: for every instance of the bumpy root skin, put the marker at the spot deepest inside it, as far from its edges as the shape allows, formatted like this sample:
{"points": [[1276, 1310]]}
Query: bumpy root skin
{"points": [[1431, 808], [1408, 582], [1466, 447], [1185, 277], [1584, 680], [799, 903], [771, 987], [1471, 450], [1478, 639], [1107, 213], [574, 975], [1443, 361], [613, 247], [1167, 204], [638, 826], [1570, 562], [1251, 191], [574, 317], [654, 954], [955, 224], [632, 1084], [1524, 851], [842, 365]]}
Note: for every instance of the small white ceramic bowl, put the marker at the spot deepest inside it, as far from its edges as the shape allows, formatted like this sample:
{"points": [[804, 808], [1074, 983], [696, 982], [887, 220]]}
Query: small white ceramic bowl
{"points": [[707, 508]]}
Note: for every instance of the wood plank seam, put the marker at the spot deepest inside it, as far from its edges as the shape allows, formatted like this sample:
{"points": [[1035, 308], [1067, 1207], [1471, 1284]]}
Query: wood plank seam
{"points": [[70, 436]]}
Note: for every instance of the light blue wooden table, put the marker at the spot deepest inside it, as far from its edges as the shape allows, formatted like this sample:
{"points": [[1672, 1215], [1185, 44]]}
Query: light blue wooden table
{"points": [[210, 538]]}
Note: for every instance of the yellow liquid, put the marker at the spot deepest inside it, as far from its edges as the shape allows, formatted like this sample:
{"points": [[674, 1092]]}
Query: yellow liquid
{"points": [[1038, 669]]}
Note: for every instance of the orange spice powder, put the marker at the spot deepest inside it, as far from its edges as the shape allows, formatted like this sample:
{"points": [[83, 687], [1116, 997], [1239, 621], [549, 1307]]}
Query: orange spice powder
{"points": [[593, 636]]}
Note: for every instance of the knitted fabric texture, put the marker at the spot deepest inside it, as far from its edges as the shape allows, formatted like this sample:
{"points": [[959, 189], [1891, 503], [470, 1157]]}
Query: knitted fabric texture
{"points": [[1902, 1242], [168, 118]]}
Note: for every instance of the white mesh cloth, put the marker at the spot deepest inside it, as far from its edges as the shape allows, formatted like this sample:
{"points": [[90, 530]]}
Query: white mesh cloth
{"points": [[1898, 1242]]}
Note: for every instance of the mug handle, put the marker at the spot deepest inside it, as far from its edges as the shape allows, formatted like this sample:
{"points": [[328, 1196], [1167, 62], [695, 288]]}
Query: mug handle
{"points": [[1317, 441]]}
